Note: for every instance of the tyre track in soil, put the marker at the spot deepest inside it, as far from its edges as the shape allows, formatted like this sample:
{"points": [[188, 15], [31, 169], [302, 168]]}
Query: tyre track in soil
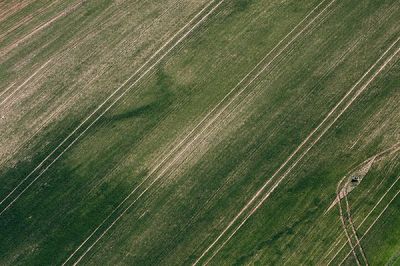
{"points": [[261, 190], [26, 19], [374, 222], [363, 221], [4, 51], [342, 220], [112, 99], [9, 11], [338, 239], [342, 193], [354, 231], [208, 120], [62, 108], [39, 69], [247, 99], [378, 157], [337, 63]]}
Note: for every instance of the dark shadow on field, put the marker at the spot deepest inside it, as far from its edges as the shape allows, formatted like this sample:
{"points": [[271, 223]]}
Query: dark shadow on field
{"points": [[61, 193], [162, 99], [75, 178], [140, 111]]}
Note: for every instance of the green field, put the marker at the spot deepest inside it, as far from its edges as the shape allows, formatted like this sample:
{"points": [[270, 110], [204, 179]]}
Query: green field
{"points": [[199, 132]]}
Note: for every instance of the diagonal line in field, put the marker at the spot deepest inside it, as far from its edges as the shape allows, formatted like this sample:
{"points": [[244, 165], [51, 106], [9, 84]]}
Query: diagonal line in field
{"points": [[28, 18], [354, 230], [260, 191], [243, 102], [377, 157], [39, 28], [219, 107], [59, 110], [196, 127], [151, 67], [342, 193], [342, 220], [7, 89], [365, 218], [6, 10], [23, 84], [374, 222]]}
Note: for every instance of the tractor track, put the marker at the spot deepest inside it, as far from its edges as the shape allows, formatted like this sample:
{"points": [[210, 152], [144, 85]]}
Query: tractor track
{"points": [[276, 184]]}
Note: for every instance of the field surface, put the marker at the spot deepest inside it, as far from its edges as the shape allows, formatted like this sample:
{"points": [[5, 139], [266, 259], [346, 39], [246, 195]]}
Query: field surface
{"points": [[194, 132]]}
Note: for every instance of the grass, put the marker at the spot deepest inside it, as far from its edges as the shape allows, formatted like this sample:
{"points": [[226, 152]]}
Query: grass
{"points": [[196, 194]]}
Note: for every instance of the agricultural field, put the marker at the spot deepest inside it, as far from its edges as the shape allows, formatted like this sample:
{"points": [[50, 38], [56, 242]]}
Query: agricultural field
{"points": [[194, 132]]}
